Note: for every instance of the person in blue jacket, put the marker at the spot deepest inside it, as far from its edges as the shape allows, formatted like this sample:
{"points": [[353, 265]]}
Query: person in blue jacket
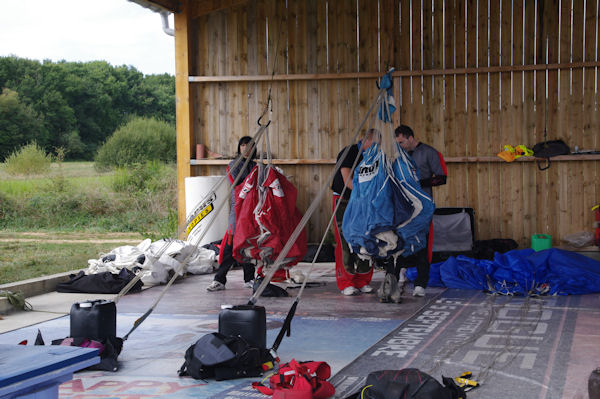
{"points": [[432, 172]]}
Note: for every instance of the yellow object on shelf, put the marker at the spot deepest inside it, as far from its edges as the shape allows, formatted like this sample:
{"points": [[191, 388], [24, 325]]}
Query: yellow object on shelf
{"points": [[508, 154], [522, 151], [511, 153]]}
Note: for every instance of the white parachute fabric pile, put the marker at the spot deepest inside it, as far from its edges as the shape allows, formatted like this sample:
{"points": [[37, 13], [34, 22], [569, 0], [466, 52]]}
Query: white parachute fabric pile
{"points": [[142, 258]]}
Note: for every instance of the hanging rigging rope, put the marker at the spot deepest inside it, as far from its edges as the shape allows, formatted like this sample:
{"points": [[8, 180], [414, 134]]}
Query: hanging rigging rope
{"points": [[197, 211], [286, 327], [278, 262], [253, 145]]}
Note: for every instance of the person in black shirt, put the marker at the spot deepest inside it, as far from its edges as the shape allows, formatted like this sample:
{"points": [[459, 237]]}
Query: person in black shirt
{"points": [[353, 275], [226, 251]]}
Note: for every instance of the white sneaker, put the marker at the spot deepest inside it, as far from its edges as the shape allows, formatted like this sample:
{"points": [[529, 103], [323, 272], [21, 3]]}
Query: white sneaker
{"points": [[297, 276], [366, 289], [419, 291], [215, 286], [349, 291], [249, 284]]}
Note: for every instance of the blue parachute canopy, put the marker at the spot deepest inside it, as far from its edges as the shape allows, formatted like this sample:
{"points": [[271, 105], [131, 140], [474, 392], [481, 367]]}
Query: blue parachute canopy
{"points": [[386, 111], [377, 206], [523, 272]]}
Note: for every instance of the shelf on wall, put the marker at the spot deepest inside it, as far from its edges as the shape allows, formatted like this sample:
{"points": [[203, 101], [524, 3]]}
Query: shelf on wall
{"points": [[465, 159]]}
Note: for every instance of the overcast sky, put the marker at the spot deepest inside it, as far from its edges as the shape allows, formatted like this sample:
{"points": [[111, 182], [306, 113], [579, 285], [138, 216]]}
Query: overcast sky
{"points": [[117, 31]]}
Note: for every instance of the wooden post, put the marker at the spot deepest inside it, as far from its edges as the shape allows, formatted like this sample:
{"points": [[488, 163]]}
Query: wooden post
{"points": [[182, 106], [590, 194]]}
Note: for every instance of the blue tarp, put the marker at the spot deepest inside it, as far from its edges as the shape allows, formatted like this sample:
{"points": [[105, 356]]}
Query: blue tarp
{"points": [[551, 271]]}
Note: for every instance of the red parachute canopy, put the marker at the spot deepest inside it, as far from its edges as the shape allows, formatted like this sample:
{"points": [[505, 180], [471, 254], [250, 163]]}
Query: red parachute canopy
{"points": [[266, 216]]}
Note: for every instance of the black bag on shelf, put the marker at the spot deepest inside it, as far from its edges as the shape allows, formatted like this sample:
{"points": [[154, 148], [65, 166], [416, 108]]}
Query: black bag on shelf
{"points": [[549, 149]]}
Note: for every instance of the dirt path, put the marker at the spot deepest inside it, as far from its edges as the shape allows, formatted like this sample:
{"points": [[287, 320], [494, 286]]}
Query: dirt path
{"points": [[70, 237]]}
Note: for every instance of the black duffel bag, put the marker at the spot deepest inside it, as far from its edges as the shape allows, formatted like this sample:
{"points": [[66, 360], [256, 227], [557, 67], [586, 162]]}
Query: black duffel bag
{"points": [[549, 149], [407, 383], [223, 357]]}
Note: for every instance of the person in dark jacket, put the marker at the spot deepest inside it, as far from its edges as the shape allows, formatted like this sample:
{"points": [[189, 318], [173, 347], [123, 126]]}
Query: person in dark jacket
{"points": [[432, 172], [226, 260]]}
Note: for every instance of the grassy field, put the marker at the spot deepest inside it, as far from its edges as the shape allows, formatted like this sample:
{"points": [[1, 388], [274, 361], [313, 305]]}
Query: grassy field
{"points": [[57, 221], [29, 255], [79, 175]]}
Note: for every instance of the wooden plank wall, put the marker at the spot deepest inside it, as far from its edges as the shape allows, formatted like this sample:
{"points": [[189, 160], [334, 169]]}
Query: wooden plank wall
{"points": [[463, 113]]}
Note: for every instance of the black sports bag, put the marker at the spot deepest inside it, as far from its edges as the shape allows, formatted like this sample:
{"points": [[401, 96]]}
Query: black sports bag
{"points": [[549, 149]]}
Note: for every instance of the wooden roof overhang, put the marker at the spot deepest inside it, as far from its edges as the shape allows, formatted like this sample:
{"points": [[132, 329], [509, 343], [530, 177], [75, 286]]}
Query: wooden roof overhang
{"points": [[197, 8]]}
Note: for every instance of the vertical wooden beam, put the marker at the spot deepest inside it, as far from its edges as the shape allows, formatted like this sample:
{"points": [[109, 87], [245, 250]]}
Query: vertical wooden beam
{"points": [[329, 146], [542, 187], [295, 55], [591, 99], [564, 101], [457, 193], [466, 95], [530, 177], [333, 94], [403, 61], [315, 175], [389, 10], [522, 170], [494, 130], [477, 14], [558, 207], [425, 131], [576, 75], [510, 182], [368, 59], [416, 65], [278, 32], [182, 105], [438, 104]]}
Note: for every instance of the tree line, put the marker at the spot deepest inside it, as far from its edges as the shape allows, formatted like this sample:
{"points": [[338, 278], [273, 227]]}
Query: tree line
{"points": [[75, 106]]}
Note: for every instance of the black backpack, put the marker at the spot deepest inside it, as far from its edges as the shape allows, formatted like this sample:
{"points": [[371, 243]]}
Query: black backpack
{"points": [[548, 149], [224, 358], [409, 384]]}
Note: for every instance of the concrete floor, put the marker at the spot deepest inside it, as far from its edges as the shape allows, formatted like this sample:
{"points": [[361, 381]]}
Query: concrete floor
{"points": [[516, 347]]}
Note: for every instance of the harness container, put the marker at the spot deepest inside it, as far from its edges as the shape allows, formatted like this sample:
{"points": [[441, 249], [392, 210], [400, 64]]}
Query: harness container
{"points": [[247, 321]]}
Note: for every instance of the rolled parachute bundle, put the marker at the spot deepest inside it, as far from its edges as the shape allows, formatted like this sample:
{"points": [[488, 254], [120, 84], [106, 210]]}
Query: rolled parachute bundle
{"points": [[266, 216], [388, 213], [376, 207], [414, 230]]}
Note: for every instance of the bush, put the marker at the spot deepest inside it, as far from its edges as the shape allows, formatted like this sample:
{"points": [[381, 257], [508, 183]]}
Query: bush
{"points": [[7, 207], [152, 190], [19, 123], [152, 176], [145, 202], [138, 141], [29, 160]]}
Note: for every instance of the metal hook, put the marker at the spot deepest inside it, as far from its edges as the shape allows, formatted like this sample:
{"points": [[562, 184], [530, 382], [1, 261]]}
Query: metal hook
{"points": [[258, 121]]}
